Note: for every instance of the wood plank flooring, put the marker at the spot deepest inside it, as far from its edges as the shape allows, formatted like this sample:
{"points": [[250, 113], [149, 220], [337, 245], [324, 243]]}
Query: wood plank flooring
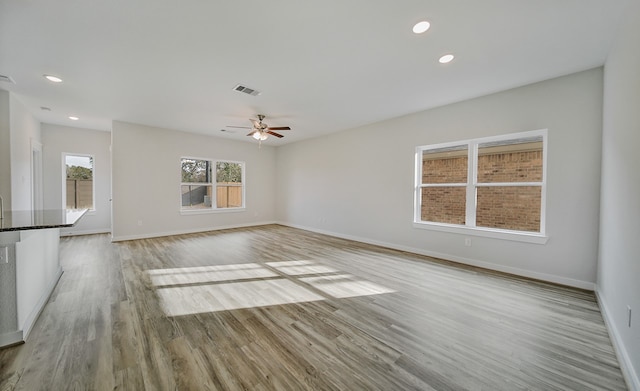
{"points": [[275, 308]]}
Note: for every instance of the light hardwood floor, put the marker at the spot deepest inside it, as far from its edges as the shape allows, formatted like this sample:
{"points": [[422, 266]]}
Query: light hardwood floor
{"points": [[275, 308]]}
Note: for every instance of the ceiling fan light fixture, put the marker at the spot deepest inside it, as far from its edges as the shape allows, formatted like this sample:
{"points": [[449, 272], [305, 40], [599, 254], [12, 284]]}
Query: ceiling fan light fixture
{"points": [[260, 136]]}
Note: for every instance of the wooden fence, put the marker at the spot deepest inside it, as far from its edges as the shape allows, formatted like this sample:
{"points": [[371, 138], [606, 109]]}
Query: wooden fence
{"points": [[79, 193], [229, 195]]}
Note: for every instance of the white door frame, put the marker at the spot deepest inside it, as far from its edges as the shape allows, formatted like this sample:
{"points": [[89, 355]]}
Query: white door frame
{"points": [[37, 193]]}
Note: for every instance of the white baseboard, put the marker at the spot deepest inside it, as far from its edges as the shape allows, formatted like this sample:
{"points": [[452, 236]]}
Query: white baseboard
{"points": [[187, 231], [11, 338], [72, 232], [33, 316], [449, 257], [628, 371]]}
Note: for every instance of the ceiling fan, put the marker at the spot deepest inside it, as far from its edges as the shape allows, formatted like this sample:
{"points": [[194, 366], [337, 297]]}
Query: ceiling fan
{"points": [[260, 130]]}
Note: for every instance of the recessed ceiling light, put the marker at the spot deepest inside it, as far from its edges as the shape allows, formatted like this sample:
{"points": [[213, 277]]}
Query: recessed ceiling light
{"points": [[421, 27], [446, 58], [52, 78], [71, 117]]}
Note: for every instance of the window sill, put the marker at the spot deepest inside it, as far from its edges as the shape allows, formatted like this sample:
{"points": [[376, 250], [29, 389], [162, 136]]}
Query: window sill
{"points": [[186, 212], [516, 236]]}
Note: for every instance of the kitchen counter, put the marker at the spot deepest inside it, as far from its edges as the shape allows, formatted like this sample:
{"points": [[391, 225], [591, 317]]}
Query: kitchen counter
{"points": [[40, 219], [29, 267]]}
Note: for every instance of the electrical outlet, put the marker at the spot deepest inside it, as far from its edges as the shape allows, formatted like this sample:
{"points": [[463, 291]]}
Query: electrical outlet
{"points": [[629, 315], [467, 242], [4, 254]]}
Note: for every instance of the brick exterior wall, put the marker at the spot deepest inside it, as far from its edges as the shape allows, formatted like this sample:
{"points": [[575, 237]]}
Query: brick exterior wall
{"points": [[510, 167], [516, 208], [446, 170], [444, 204]]}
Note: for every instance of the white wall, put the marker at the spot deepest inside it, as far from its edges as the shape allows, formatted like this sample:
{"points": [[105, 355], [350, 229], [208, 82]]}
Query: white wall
{"points": [[62, 139], [146, 181], [359, 183], [37, 273], [619, 256], [24, 129], [5, 150]]}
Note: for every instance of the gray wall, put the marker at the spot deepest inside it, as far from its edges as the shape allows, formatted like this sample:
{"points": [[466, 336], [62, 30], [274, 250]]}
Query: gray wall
{"points": [[25, 129], [18, 131], [146, 181], [619, 257], [359, 183], [5, 150], [57, 140]]}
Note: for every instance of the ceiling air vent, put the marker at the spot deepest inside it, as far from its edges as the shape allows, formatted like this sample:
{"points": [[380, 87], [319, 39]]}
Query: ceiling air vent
{"points": [[7, 79], [246, 90]]}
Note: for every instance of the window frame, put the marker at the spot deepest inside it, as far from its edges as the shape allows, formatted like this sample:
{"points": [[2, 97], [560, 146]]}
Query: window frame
{"points": [[472, 184], [213, 183], [90, 211]]}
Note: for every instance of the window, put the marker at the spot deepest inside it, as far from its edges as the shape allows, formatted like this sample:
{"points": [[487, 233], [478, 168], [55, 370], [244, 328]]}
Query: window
{"points": [[198, 183], [491, 184], [78, 191], [229, 187]]}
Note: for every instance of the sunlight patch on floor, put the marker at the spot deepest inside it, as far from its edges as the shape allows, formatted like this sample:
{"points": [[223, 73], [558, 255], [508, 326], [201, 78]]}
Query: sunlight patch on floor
{"points": [[345, 285], [221, 288], [201, 274], [296, 268], [221, 297]]}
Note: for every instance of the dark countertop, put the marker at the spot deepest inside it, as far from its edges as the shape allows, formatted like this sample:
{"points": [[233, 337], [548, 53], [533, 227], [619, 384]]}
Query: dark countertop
{"points": [[19, 220]]}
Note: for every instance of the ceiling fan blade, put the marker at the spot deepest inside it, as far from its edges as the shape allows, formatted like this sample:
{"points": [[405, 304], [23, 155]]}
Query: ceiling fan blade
{"points": [[274, 133], [241, 127], [279, 128], [251, 134], [255, 122]]}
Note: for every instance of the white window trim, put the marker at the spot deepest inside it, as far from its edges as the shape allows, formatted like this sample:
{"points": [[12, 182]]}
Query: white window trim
{"points": [[213, 184], [469, 228], [93, 210], [516, 236]]}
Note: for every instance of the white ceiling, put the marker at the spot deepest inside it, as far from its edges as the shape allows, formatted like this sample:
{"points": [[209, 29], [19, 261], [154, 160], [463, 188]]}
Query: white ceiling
{"points": [[321, 66]]}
